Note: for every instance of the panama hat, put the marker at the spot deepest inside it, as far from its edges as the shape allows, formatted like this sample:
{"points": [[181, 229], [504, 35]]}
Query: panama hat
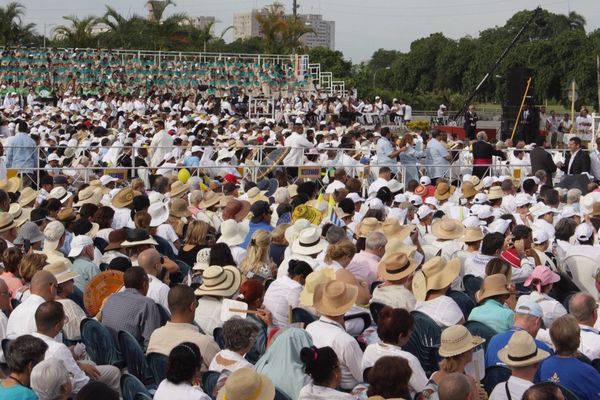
{"points": [[443, 191], [309, 242], [6, 222], [61, 272], [472, 235], [396, 266], [293, 231], [159, 213], [123, 198], [308, 213], [394, 245], [447, 228], [219, 281], [12, 185], [394, 185], [28, 195], [209, 199], [493, 285], [456, 339], [436, 274], [334, 298], [179, 188], [468, 190], [60, 193], [202, 259], [247, 384], [179, 208], [368, 225], [31, 232], [19, 214], [137, 237], [495, 193], [313, 280], [89, 195], [255, 194], [521, 351], [392, 229], [233, 233]]}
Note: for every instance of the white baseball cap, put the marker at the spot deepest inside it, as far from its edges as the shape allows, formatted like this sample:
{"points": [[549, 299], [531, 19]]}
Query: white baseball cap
{"points": [[53, 157], [375, 204], [424, 211], [425, 180], [78, 243], [355, 197], [584, 232], [540, 236], [415, 200], [432, 201], [480, 198], [485, 212], [522, 199], [106, 179]]}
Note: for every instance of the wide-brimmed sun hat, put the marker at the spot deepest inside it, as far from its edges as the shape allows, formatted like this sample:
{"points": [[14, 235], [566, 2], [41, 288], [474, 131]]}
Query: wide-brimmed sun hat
{"points": [[334, 298], [179, 208], [495, 193], [268, 186], [368, 225], [447, 228], [179, 189], [220, 281], [293, 231], [137, 237], [29, 231], [468, 190], [90, 194], [159, 213], [209, 199], [255, 194], [493, 285], [313, 280], [60, 193], [20, 214], [311, 214], [309, 242], [472, 235], [456, 339], [28, 195], [436, 274], [247, 384], [6, 222], [61, 271], [521, 351], [124, 198], [396, 266], [443, 191], [236, 209], [115, 239], [233, 233], [393, 230]]}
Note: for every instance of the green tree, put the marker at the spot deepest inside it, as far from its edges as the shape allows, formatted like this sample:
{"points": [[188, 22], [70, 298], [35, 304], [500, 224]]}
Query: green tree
{"points": [[332, 61], [79, 33], [157, 8], [12, 29]]}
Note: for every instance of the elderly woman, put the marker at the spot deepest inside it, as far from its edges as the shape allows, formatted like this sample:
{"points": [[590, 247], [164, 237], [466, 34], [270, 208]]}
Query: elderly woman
{"points": [[238, 336], [50, 380], [252, 292], [195, 199]]}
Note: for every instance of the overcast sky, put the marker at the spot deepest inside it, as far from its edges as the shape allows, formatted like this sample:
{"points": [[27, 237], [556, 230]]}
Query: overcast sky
{"points": [[362, 26]]}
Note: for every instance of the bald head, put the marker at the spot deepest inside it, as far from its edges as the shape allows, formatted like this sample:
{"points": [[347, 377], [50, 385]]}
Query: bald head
{"points": [[583, 307], [455, 386], [44, 284], [149, 260]]}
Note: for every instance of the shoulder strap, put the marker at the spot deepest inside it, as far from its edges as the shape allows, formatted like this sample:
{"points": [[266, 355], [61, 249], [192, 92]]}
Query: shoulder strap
{"points": [[508, 396]]}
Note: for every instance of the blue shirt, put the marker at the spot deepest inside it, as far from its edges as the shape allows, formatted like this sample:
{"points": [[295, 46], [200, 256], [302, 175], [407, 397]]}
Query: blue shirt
{"points": [[495, 315], [436, 155], [253, 228], [384, 149], [17, 392], [499, 341], [191, 161], [21, 152], [580, 378]]}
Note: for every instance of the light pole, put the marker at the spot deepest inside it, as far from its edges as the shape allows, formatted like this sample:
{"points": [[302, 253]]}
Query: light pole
{"points": [[46, 25], [375, 74]]}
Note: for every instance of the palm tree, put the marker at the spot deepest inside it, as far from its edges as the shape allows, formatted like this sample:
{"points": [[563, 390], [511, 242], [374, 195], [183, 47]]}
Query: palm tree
{"points": [[80, 33], [171, 33], [206, 36], [157, 8], [11, 24], [576, 21], [271, 22]]}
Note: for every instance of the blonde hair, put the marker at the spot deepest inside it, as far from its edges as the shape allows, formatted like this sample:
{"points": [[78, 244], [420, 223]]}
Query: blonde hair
{"points": [[257, 253], [278, 234], [451, 364], [138, 185], [339, 250], [142, 220], [196, 232], [30, 264]]}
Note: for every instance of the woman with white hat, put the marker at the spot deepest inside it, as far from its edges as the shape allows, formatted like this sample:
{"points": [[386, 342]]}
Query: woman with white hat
{"points": [[158, 226], [456, 349]]}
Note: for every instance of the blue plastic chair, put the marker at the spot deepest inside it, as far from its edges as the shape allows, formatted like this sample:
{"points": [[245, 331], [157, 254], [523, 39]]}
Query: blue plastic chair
{"points": [[424, 342], [164, 314], [131, 387], [134, 355], [375, 309], [157, 363], [464, 302], [301, 315], [209, 382], [100, 344], [480, 329]]}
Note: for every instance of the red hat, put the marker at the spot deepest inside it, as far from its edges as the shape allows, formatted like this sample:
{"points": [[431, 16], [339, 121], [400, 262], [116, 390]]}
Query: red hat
{"points": [[260, 139], [230, 178], [511, 256]]}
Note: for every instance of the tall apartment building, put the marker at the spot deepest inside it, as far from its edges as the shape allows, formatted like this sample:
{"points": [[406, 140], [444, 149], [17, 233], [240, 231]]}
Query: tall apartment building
{"points": [[324, 32], [245, 25]]}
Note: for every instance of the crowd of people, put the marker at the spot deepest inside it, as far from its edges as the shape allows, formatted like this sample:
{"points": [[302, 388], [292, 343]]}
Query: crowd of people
{"points": [[141, 258]]}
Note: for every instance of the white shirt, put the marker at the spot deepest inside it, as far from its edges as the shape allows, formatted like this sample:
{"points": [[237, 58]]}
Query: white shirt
{"points": [[59, 351], [516, 388], [282, 270], [282, 294], [475, 264], [335, 185], [373, 352], [375, 186], [314, 392], [158, 291], [239, 362], [162, 140], [326, 332], [443, 310], [590, 342], [22, 318], [3, 323], [238, 254], [208, 314], [571, 161], [297, 143], [183, 391], [167, 232], [122, 218], [551, 308]]}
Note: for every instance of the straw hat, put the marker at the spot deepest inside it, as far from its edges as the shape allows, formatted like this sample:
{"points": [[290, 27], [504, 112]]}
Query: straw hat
{"points": [[159, 213], [394, 245], [11, 185], [89, 195], [313, 280], [436, 274], [334, 298], [236, 209], [468, 190], [456, 339], [521, 351], [60, 193], [233, 233], [443, 191], [137, 237], [179, 188], [6, 222], [123, 198], [179, 208], [392, 229], [255, 194], [472, 235], [308, 213], [19, 214], [368, 225], [209, 199], [493, 285], [61, 272], [396, 266], [495, 193], [447, 228], [220, 281], [28, 195], [309, 242], [247, 384]]}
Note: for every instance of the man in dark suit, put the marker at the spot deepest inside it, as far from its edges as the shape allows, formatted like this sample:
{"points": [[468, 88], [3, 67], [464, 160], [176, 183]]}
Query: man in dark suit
{"points": [[577, 160], [482, 155], [528, 128], [542, 160], [470, 125]]}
